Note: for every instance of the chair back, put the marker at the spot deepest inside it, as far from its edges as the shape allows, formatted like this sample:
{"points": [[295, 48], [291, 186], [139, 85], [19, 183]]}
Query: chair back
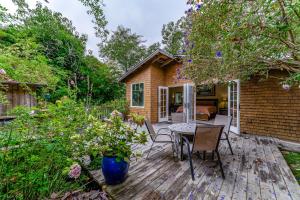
{"points": [[150, 129], [207, 138], [223, 120], [177, 118]]}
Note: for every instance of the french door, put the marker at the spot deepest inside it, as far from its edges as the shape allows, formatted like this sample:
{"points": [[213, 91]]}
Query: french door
{"points": [[163, 103], [234, 105], [189, 101]]}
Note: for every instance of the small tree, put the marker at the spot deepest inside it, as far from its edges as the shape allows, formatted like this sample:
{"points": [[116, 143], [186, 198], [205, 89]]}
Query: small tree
{"points": [[173, 36], [125, 47], [238, 39]]}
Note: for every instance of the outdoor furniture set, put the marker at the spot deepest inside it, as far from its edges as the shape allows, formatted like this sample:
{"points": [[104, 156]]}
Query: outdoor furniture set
{"points": [[205, 136]]}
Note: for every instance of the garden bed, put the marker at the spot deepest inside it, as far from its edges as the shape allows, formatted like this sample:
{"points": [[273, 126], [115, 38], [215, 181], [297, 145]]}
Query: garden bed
{"points": [[293, 160]]}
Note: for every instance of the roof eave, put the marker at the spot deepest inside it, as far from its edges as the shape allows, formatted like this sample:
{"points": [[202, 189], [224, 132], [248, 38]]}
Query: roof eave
{"points": [[141, 63]]}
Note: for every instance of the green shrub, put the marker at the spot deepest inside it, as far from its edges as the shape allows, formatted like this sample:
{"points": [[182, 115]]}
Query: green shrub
{"points": [[36, 153]]}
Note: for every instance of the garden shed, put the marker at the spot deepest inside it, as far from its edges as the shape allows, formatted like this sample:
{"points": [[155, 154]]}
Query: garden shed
{"points": [[18, 93]]}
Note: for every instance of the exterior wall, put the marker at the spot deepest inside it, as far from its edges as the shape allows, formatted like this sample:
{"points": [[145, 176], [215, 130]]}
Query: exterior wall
{"points": [[266, 109], [153, 76], [141, 76], [171, 74], [17, 96], [157, 79]]}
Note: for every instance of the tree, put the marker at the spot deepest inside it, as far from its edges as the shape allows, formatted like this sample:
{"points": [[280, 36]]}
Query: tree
{"points": [[99, 81], [242, 38], [123, 46], [172, 36], [45, 47], [153, 47]]}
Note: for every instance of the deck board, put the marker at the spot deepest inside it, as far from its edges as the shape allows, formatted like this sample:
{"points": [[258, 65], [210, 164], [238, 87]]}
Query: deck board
{"points": [[257, 170]]}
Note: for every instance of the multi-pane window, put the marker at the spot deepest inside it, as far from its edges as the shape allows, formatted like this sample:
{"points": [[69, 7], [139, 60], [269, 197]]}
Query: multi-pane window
{"points": [[137, 94]]}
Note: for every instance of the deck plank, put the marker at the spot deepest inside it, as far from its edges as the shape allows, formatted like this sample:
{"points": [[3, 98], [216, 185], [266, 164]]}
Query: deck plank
{"points": [[211, 173], [279, 185], [266, 184], [290, 181], [257, 170], [191, 186], [227, 187], [240, 189], [253, 181]]}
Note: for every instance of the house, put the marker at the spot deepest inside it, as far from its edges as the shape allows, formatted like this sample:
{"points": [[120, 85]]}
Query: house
{"points": [[155, 88], [18, 93]]}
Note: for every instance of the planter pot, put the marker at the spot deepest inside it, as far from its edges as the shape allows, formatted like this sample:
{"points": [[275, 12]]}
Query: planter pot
{"points": [[113, 171]]}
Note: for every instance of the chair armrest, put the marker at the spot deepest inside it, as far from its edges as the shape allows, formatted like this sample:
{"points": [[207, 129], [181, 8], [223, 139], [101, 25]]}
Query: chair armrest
{"points": [[161, 134], [162, 129]]}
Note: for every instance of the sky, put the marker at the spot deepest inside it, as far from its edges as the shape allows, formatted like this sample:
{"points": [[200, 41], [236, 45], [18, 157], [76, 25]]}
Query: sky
{"points": [[144, 17]]}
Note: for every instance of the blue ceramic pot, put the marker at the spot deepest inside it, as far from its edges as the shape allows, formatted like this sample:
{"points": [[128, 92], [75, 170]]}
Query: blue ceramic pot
{"points": [[114, 172]]}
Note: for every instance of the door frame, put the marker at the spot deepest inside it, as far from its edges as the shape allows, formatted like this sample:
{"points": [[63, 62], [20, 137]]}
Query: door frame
{"points": [[185, 94], [238, 89], [159, 103]]}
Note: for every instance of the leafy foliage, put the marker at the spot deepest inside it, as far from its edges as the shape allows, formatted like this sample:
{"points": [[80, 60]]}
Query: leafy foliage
{"points": [[99, 18], [46, 38], [124, 47], [293, 160], [36, 151], [21, 62], [242, 38], [113, 138], [102, 80], [172, 34], [152, 48]]}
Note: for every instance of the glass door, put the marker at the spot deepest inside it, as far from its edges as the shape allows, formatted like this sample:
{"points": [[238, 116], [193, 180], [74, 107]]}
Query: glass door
{"points": [[189, 102], [234, 105], [163, 103]]}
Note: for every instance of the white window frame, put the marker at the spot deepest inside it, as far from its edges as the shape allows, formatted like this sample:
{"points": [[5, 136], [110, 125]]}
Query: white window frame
{"points": [[131, 95]]}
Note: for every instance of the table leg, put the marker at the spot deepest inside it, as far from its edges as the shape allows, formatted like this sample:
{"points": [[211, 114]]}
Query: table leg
{"points": [[181, 147]]}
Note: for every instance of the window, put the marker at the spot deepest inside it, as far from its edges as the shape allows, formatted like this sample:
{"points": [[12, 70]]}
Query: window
{"points": [[137, 94]]}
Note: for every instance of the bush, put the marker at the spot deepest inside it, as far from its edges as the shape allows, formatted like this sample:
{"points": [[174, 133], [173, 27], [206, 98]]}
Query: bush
{"points": [[36, 153]]}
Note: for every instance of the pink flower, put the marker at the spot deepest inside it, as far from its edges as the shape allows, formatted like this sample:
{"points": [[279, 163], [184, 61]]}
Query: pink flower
{"points": [[75, 171]]}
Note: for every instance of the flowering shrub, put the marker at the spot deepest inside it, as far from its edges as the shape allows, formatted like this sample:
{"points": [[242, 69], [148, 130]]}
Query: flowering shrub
{"points": [[36, 153], [112, 138], [240, 39]]}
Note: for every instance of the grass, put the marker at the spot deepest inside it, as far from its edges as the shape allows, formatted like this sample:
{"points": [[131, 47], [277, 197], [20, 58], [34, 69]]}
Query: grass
{"points": [[293, 160]]}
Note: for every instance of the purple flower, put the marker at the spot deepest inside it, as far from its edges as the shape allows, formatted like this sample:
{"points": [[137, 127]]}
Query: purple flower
{"points": [[190, 60], [75, 171], [219, 54], [198, 6]]}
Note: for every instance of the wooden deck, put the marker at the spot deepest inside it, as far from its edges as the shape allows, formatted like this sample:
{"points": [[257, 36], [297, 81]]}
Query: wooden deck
{"points": [[257, 170]]}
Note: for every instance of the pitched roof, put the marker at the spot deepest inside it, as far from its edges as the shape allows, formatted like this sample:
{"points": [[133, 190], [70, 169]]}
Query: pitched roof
{"points": [[141, 63]]}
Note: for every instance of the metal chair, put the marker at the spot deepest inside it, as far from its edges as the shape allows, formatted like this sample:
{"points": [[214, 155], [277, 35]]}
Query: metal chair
{"points": [[226, 121], [155, 135], [207, 138]]}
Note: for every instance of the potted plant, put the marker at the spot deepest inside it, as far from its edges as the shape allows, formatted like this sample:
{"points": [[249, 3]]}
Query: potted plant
{"points": [[114, 139]]}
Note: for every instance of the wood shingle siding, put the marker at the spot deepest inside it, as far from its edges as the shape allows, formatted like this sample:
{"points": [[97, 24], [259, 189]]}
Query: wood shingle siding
{"points": [[267, 109]]}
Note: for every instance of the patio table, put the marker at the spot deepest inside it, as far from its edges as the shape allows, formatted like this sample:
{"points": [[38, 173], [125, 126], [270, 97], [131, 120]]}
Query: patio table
{"points": [[182, 129]]}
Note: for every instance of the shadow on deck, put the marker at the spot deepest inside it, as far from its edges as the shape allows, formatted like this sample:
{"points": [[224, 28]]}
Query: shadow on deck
{"points": [[257, 170]]}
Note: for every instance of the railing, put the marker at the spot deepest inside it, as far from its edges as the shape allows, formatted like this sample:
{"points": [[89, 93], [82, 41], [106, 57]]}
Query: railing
{"points": [[104, 110]]}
